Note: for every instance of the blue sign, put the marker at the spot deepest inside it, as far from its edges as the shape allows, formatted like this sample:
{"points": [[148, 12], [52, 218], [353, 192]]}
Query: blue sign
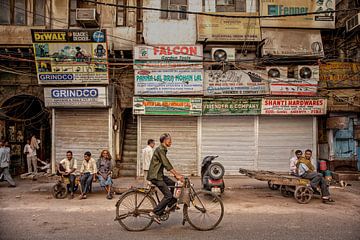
{"points": [[75, 93], [56, 77], [98, 36]]}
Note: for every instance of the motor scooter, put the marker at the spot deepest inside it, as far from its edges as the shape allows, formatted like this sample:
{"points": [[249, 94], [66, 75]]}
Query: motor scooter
{"points": [[212, 174]]}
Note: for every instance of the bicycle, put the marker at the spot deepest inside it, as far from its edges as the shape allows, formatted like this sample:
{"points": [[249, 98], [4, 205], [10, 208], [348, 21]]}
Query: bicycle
{"points": [[202, 209]]}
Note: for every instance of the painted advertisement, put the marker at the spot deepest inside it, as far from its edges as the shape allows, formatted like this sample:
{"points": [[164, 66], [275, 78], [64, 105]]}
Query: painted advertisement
{"points": [[76, 97], [169, 82], [291, 7], [339, 75], [167, 106], [231, 106], [294, 106], [71, 56], [303, 82], [228, 29], [292, 42], [235, 82], [168, 56]]}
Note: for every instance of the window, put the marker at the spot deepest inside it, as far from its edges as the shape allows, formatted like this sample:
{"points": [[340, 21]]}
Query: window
{"points": [[230, 5], [180, 5], [13, 12], [120, 13], [39, 12]]}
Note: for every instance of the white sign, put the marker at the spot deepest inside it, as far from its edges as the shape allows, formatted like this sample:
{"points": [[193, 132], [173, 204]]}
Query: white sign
{"points": [[165, 56], [76, 97], [295, 106], [235, 82], [169, 82]]}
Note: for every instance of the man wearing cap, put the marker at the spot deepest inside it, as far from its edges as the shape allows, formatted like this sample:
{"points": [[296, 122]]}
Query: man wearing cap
{"points": [[156, 176]]}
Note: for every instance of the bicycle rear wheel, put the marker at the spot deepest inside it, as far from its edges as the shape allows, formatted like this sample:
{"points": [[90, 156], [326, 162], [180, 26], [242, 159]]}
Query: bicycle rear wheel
{"points": [[132, 211], [205, 212]]}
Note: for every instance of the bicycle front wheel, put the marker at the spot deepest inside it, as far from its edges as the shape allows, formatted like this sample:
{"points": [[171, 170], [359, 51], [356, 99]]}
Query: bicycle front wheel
{"points": [[205, 212], [132, 211]]}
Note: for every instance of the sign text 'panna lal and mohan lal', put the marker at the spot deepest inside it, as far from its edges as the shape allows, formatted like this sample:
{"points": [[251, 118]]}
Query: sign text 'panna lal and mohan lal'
{"points": [[76, 97], [71, 56]]}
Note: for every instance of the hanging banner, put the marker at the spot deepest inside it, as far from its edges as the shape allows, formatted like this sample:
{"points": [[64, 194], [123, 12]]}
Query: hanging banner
{"points": [[291, 7], [292, 42], [228, 29], [339, 75], [169, 82], [71, 56], [235, 82], [295, 106], [76, 97], [168, 56], [167, 106], [343, 100], [231, 106]]}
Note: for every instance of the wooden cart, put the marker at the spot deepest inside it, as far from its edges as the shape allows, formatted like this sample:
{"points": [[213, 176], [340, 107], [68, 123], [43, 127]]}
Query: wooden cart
{"points": [[289, 185]]}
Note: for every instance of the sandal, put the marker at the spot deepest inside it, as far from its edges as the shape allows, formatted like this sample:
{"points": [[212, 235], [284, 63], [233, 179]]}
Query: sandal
{"points": [[155, 217], [328, 200]]}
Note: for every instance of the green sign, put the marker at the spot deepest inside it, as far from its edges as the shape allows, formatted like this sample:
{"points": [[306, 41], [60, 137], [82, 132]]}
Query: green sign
{"points": [[167, 106], [230, 106]]}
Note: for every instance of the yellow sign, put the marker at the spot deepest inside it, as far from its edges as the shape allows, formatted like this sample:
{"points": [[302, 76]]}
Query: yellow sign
{"points": [[292, 7], [228, 29], [339, 74], [50, 36]]}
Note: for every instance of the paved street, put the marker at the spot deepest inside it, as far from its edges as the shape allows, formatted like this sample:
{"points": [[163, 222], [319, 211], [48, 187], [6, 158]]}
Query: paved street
{"points": [[252, 211]]}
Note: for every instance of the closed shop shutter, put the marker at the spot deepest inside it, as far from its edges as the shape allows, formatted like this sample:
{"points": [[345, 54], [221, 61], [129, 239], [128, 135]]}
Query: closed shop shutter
{"points": [[232, 138], [81, 130], [183, 131], [279, 136]]}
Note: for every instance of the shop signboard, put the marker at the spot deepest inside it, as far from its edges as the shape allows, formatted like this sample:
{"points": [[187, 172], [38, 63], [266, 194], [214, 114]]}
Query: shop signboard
{"points": [[212, 28], [75, 97], [168, 56], [293, 106], [167, 106], [292, 42], [70, 56], [291, 7], [235, 82], [339, 75], [169, 82], [231, 106]]}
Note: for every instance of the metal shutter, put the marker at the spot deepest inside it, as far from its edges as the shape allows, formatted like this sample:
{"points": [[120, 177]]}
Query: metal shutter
{"points": [[183, 130]]}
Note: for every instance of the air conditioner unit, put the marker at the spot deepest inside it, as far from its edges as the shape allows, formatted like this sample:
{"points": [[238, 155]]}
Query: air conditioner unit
{"points": [[223, 54], [277, 72], [353, 22], [87, 16], [309, 73]]}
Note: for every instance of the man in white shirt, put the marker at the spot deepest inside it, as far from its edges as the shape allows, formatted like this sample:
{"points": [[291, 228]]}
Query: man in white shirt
{"points": [[29, 153], [34, 144], [293, 161], [88, 172], [67, 168], [147, 154]]}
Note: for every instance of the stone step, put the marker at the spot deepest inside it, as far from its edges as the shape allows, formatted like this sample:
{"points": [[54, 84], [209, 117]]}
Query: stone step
{"points": [[130, 148], [128, 166], [131, 142], [130, 137], [130, 132], [128, 153], [127, 173]]}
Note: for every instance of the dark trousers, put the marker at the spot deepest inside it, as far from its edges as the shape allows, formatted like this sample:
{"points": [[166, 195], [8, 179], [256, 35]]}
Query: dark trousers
{"points": [[72, 182], [86, 180], [168, 199], [317, 179]]}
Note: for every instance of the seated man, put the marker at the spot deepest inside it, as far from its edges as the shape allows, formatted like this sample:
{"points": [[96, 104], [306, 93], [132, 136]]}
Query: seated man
{"points": [[104, 174], [293, 161], [67, 168], [88, 172], [305, 169]]}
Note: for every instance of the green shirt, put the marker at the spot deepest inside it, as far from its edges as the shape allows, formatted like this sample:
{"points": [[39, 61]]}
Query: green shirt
{"points": [[159, 161]]}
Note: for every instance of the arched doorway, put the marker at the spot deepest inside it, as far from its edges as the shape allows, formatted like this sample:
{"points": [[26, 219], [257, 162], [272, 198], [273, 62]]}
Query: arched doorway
{"points": [[22, 116]]}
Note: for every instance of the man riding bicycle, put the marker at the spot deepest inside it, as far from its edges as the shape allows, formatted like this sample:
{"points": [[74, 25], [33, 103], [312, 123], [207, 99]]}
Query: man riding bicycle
{"points": [[156, 176]]}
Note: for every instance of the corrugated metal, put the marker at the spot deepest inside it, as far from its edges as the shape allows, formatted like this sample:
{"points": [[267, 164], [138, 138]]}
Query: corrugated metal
{"points": [[81, 130], [279, 136], [183, 130], [232, 138]]}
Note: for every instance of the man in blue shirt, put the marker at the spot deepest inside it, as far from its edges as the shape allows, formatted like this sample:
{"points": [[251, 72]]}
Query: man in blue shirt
{"points": [[4, 164]]}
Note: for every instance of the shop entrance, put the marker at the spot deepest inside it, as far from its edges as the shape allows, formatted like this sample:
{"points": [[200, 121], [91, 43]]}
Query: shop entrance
{"points": [[22, 116]]}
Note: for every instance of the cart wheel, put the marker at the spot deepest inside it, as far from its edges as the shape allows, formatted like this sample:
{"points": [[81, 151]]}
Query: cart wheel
{"points": [[284, 191], [59, 191], [303, 194], [273, 186]]}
